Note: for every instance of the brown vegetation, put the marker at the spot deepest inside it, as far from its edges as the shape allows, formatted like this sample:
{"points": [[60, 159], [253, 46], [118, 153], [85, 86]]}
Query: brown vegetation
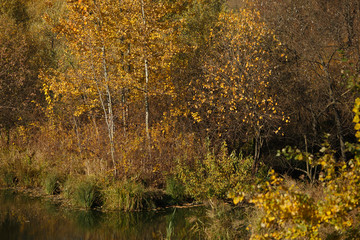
{"points": [[147, 92]]}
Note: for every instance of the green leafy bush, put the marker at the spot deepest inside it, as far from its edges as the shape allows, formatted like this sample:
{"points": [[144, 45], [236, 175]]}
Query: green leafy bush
{"points": [[216, 174], [175, 189]]}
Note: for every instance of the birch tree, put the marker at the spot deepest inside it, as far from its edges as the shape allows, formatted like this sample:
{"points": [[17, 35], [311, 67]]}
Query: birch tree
{"points": [[233, 100], [117, 51], [86, 80]]}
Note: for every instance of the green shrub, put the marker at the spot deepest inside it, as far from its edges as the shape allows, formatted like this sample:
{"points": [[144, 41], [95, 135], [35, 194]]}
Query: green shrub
{"points": [[8, 178], [131, 196], [69, 187], [215, 175], [87, 194], [52, 184], [175, 189]]}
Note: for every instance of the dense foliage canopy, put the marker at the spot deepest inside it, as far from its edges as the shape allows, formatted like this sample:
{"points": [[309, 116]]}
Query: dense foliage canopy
{"points": [[206, 91]]}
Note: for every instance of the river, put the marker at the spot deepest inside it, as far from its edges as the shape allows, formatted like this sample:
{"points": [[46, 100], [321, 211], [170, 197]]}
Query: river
{"points": [[24, 217]]}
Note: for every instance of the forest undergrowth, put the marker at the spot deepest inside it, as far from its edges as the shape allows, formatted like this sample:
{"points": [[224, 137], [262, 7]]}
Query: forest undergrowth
{"points": [[246, 106]]}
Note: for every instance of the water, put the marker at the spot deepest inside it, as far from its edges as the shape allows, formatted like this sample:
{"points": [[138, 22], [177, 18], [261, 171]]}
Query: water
{"points": [[23, 217]]}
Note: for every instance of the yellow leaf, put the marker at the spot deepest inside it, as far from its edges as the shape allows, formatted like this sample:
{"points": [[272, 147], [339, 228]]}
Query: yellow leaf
{"points": [[230, 195], [357, 134], [356, 119], [238, 199]]}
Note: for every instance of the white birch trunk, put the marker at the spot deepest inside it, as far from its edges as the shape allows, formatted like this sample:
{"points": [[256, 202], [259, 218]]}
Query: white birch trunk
{"points": [[146, 69]]}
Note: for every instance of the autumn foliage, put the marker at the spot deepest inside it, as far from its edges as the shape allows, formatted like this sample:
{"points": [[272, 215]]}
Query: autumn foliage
{"points": [[192, 91], [294, 212]]}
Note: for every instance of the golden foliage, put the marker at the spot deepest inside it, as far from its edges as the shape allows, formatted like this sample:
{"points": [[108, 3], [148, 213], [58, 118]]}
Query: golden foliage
{"points": [[235, 91], [292, 213]]}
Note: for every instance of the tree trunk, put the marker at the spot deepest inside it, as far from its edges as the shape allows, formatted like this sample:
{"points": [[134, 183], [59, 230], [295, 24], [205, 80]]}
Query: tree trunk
{"points": [[8, 137], [258, 142], [110, 116], [336, 112], [146, 88], [78, 136], [339, 133], [124, 110]]}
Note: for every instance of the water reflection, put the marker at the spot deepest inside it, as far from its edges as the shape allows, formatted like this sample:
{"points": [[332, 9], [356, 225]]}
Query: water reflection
{"points": [[23, 217]]}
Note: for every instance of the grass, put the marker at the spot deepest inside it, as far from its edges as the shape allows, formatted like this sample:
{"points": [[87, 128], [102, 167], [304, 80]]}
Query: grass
{"points": [[87, 194], [129, 195], [20, 167], [52, 184], [8, 178]]}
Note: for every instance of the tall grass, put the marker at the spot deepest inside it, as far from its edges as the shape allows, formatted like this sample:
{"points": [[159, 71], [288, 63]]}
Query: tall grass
{"points": [[87, 194], [52, 184], [19, 166], [7, 178], [129, 195]]}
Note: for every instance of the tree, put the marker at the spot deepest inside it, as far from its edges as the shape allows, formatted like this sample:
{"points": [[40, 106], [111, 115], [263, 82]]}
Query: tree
{"points": [[321, 39], [85, 81], [118, 54], [16, 85], [233, 100], [17, 10]]}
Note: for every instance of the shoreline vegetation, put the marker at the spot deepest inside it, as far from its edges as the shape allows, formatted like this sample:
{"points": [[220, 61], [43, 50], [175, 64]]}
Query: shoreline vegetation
{"points": [[250, 107], [65, 202]]}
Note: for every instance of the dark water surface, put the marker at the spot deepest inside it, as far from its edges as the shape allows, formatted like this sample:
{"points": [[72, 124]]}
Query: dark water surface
{"points": [[23, 217]]}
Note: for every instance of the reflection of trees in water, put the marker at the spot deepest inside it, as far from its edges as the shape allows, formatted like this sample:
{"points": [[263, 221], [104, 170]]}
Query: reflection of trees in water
{"points": [[88, 220], [134, 225], [22, 217], [9, 227], [151, 224]]}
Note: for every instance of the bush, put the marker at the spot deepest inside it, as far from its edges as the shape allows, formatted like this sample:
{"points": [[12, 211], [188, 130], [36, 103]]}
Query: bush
{"points": [[69, 187], [87, 194], [52, 184], [215, 175], [8, 178], [291, 212], [129, 195], [175, 189], [20, 167]]}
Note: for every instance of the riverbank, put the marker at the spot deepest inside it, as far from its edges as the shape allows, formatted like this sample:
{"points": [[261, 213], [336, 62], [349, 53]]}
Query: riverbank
{"points": [[24, 217], [33, 172], [39, 193], [66, 202]]}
